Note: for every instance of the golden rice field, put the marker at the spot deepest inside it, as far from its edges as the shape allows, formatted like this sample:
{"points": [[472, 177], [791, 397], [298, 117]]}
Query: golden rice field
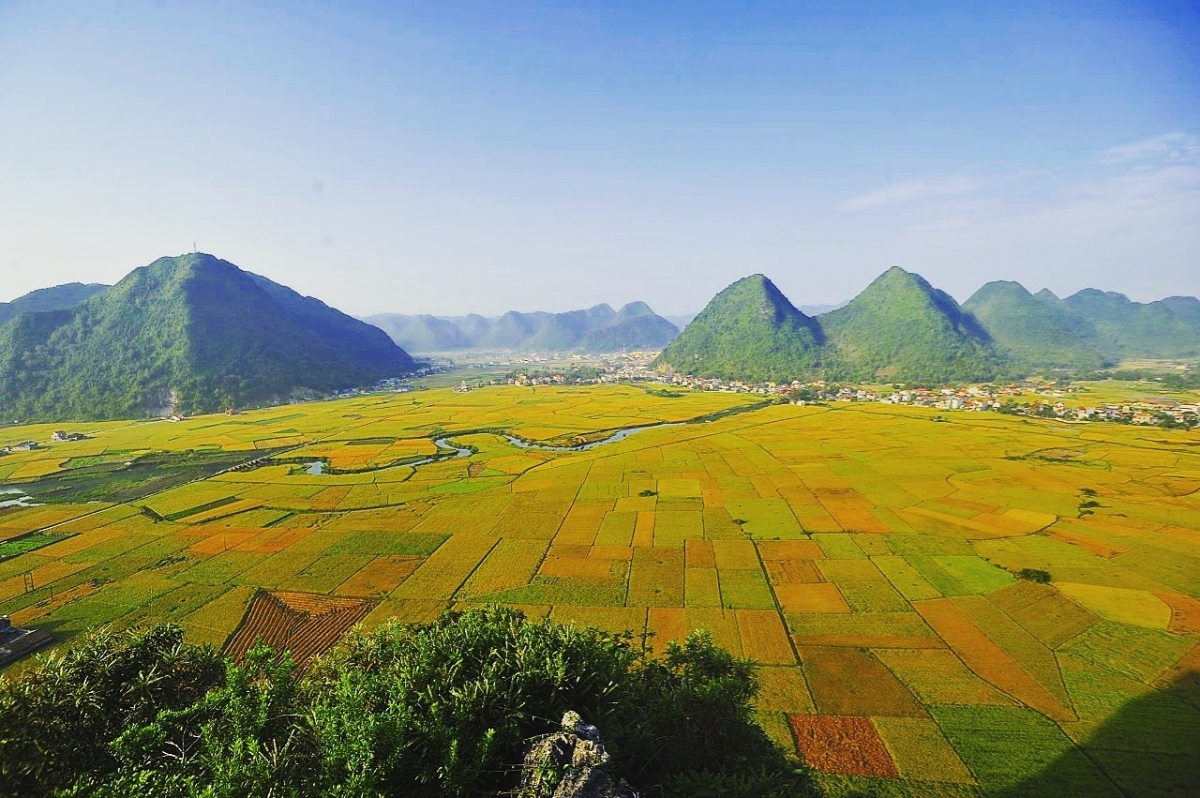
{"points": [[863, 553]]}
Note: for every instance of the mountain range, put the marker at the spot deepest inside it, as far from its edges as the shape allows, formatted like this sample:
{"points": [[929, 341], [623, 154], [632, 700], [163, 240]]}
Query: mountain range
{"points": [[902, 329], [195, 333], [597, 329], [186, 334]]}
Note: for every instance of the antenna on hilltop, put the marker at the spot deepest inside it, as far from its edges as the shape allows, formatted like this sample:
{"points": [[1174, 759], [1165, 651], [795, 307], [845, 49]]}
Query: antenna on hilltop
{"points": [[194, 248]]}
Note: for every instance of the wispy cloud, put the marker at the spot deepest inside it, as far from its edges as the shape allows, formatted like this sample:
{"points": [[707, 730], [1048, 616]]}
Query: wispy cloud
{"points": [[909, 192], [1169, 146]]}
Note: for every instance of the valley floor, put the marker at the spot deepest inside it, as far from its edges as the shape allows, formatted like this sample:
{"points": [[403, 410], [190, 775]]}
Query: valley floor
{"points": [[867, 556]]}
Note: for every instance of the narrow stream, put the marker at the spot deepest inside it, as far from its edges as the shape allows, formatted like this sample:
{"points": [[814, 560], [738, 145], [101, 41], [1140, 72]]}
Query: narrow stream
{"points": [[619, 435], [21, 500], [444, 443]]}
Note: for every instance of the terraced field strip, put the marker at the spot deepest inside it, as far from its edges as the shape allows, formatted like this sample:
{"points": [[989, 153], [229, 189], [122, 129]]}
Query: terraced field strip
{"points": [[987, 659]]}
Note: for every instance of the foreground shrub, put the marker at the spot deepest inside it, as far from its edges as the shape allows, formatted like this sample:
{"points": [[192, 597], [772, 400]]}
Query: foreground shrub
{"points": [[446, 708], [57, 722]]}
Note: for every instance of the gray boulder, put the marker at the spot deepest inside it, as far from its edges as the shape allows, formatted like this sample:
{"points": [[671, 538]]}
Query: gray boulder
{"points": [[569, 764]]}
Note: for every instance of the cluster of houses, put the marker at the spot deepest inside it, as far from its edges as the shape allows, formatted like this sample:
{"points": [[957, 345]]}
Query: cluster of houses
{"points": [[59, 436], [1039, 399]]}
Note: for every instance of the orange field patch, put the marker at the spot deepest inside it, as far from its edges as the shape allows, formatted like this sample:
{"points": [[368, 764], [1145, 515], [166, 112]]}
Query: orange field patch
{"points": [[381, 575], [275, 543], [223, 541], [804, 597], [306, 624], [988, 660], [611, 553], [669, 624], [699, 553], [790, 572], [329, 498], [856, 520], [1085, 542], [840, 744], [871, 641], [1185, 613]]}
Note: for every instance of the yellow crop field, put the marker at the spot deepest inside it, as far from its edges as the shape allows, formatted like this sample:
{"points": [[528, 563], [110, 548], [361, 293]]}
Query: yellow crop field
{"points": [[878, 565]]}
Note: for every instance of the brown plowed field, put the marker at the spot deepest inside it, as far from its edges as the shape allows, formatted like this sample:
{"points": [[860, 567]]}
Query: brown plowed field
{"points": [[307, 624], [840, 744]]}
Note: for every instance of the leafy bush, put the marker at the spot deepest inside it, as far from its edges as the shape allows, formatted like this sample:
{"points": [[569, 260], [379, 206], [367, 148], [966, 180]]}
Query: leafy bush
{"points": [[56, 722], [1034, 575], [446, 708]]}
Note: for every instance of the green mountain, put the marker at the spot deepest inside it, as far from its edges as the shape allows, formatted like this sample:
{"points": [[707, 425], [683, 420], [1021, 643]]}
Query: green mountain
{"points": [[59, 297], [597, 329], [1033, 332], [1186, 308], [900, 328], [193, 334], [1121, 328], [634, 326], [749, 331], [421, 333]]}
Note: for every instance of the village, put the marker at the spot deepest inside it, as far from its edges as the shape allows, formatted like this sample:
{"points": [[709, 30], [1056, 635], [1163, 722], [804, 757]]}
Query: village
{"points": [[1031, 398]]}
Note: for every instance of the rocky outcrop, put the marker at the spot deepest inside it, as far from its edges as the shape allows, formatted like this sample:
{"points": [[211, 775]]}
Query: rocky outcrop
{"points": [[569, 764]]}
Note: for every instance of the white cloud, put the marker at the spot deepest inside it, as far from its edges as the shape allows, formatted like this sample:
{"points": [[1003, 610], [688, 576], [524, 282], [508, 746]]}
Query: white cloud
{"points": [[909, 192], [1170, 146]]}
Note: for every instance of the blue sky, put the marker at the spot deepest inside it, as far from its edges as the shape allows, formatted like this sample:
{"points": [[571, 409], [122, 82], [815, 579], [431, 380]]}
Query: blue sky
{"points": [[451, 158]]}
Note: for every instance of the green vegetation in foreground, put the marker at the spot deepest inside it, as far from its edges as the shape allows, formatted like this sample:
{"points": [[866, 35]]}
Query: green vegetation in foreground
{"points": [[442, 709], [194, 333], [749, 331]]}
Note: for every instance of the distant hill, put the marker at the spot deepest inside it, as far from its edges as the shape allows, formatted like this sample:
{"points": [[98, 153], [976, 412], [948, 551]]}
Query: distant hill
{"points": [[749, 331], [59, 297], [192, 333], [634, 326], [900, 328], [597, 329], [1033, 332], [681, 320], [1121, 328]]}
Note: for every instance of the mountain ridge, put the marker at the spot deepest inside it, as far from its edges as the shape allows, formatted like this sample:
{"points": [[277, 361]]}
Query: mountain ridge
{"points": [[192, 333], [58, 297], [595, 329], [748, 331], [902, 329]]}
